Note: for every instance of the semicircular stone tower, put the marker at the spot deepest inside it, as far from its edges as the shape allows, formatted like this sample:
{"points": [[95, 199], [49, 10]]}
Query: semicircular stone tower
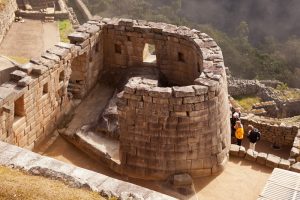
{"points": [[183, 127]]}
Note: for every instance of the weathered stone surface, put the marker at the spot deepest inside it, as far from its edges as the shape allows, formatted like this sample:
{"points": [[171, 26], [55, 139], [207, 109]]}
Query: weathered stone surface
{"points": [[262, 158], [78, 36], [160, 92], [284, 164], [272, 161], [296, 167], [182, 180], [75, 176], [251, 155], [187, 91], [234, 150], [242, 152], [17, 75]]}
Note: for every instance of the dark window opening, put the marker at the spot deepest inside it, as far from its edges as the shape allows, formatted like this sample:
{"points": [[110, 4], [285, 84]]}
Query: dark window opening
{"points": [[62, 76], [19, 107], [45, 88], [199, 67], [129, 38], [97, 47], [118, 49], [181, 57]]}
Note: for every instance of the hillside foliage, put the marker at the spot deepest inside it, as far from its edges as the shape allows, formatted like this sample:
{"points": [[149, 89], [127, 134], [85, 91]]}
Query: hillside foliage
{"points": [[252, 47]]}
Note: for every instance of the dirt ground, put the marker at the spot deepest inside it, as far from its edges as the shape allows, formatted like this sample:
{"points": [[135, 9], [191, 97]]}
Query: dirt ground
{"points": [[12, 187], [29, 39], [240, 180]]}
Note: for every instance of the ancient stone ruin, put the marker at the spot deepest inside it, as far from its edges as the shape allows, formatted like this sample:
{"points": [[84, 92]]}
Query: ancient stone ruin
{"points": [[171, 107], [47, 10]]}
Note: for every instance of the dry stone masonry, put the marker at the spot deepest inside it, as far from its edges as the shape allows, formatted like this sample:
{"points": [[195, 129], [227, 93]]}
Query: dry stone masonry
{"points": [[7, 16], [166, 130], [42, 9], [181, 125]]}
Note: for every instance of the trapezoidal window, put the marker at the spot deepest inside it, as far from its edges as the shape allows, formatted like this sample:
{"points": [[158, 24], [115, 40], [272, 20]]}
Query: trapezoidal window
{"points": [[19, 108], [62, 76], [149, 53], [118, 49], [45, 88], [181, 57]]}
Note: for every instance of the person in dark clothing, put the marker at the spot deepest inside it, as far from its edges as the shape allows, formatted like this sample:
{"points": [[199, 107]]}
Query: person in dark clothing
{"points": [[253, 136]]}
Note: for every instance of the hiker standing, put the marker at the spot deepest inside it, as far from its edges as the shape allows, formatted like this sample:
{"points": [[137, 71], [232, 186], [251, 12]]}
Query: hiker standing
{"points": [[239, 132], [234, 118], [253, 136]]}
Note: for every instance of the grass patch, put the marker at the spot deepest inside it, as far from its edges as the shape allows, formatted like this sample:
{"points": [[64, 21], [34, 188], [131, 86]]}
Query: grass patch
{"points": [[247, 101], [17, 185], [2, 4], [20, 60], [65, 28], [289, 93]]}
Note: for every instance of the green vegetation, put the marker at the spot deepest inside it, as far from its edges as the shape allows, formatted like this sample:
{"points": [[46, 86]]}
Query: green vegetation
{"points": [[248, 101], [20, 60], [264, 57], [2, 4], [17, 185], [65, 28], [288, 93]]}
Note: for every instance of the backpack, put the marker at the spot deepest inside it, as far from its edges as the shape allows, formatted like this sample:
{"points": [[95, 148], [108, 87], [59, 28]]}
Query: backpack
{"points": [[257, 133]]}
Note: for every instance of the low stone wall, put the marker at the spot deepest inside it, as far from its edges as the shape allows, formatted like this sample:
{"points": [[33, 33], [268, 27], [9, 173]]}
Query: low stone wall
{"points": [[37, 10], [83, 10], [295, 151], [268, 160], [37, 15], [278, 134], [110, 188], [7, 16]]}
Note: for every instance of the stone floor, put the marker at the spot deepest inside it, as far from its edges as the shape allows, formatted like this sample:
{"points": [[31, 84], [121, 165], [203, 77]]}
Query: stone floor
{"points": [[29, 39]]}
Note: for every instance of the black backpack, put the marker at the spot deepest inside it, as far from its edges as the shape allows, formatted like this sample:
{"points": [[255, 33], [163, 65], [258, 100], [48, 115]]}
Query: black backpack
{"points": [[257, 133]]}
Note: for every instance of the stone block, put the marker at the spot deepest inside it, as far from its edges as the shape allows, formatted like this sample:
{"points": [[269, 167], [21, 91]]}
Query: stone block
{"points": [[186, 91], [78, 37], [182, 180], [294, 152], [284, 164], [251, 155], [296, 167], [272, 161], [234, 150], [196, 99], [262, 158], [160, 92], [200, 89], [242, 152], [200, 172], [17, 75]]}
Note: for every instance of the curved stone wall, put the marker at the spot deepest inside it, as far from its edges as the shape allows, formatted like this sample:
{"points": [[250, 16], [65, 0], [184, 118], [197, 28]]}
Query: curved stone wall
{"points": [[182, 126], [167, 130], [7, 16]]}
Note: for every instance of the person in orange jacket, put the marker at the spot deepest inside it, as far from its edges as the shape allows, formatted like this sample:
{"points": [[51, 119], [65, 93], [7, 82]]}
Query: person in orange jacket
{"points": [[239, 132]]}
